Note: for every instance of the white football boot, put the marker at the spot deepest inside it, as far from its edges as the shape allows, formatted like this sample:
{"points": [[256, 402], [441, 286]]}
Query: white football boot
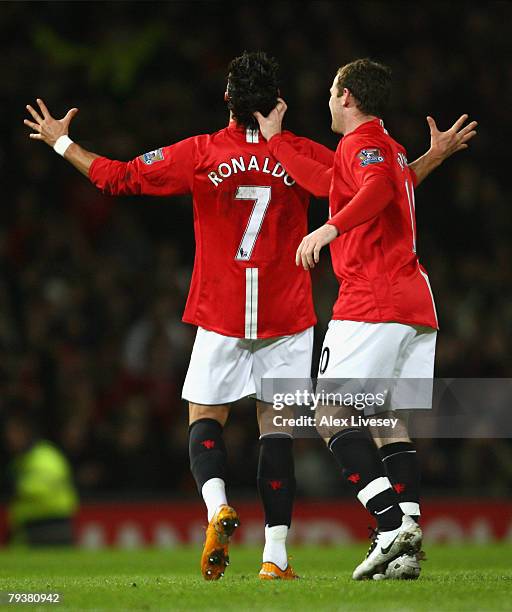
{"points": [[389, 545]]}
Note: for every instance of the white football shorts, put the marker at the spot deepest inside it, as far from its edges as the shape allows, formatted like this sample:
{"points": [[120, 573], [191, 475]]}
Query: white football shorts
{"points": [[364, 352], [224, 369]]}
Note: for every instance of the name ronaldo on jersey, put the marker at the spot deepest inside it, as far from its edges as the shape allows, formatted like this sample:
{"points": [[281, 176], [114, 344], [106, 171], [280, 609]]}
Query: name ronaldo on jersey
{"points": [[245, 164]]}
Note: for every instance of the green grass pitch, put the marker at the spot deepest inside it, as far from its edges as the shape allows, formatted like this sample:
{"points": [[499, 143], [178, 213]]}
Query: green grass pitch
{"points": [[454, 578]]}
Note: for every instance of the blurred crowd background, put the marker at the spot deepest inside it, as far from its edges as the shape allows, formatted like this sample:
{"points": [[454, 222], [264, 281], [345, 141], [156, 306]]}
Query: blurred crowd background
{"points": [[92, 349]]}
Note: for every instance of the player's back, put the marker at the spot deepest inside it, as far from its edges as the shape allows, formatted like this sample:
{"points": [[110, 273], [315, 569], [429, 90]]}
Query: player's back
{"points": [[249, 218]]}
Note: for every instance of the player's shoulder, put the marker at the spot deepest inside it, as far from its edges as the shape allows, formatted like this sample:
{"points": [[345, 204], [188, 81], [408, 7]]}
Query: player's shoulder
{"points": [[220, 133], [367, 146], [395, 144], [366, 133], [185, 143], [369, 138], [376, 131], [219, 137], [201, 142]]}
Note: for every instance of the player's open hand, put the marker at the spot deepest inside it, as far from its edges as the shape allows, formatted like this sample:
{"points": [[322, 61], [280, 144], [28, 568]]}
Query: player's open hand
{"points": [[45, 127], [271, 124], [444, 144], [308, 252]]}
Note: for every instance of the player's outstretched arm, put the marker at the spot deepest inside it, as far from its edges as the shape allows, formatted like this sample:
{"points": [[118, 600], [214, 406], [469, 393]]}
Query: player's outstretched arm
{"points": [[443, 145], [313, 174], [163, 172], [54, 132]]}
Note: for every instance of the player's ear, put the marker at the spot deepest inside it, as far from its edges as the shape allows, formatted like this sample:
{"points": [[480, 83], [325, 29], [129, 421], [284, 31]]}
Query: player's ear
{"points": [[226, 96], [346, 97]]}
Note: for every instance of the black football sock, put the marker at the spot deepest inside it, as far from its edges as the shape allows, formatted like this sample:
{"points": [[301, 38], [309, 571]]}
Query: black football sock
{"points": [[207, 451], [359, 459], [402, 467], [276, 479]]}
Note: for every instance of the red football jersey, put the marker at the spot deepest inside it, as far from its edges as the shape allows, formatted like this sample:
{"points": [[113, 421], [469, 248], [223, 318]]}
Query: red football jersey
{"points": [[249, 218], [376, 262]]}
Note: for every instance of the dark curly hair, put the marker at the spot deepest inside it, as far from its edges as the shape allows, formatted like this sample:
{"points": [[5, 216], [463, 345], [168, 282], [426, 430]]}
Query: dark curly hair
{"points": [[252, 86], [370, 84]]}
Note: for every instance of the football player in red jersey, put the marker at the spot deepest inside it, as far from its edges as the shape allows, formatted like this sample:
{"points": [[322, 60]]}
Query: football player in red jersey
{"points": [[384, 322], [253, 307]]}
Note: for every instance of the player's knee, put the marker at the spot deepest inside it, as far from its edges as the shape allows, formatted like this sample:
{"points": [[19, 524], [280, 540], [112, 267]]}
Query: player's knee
{"points": [[270, 425], [396, 431], [329, 420], [218, 413]]}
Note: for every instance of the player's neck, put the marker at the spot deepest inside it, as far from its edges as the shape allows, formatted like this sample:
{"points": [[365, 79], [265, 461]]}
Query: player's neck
{"points": [[352, 122]]}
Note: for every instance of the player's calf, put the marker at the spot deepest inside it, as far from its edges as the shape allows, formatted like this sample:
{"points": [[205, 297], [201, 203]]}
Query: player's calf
{"points": [[362, 469], [208, 459], [401, 465], [276, 486]]}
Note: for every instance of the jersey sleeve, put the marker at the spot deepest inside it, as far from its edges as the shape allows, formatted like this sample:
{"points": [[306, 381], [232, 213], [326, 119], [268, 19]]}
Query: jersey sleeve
{"points": [[364, 158], [162, 172], [371, 170], [369, 201], [306, 161]]}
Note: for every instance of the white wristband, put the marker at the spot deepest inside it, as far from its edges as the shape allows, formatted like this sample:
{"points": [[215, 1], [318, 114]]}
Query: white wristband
{"points": [[61, 144]]}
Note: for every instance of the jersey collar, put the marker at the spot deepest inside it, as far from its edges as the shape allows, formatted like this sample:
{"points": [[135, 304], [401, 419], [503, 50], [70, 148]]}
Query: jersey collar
{"points": [[252, 136], [369, 126]]}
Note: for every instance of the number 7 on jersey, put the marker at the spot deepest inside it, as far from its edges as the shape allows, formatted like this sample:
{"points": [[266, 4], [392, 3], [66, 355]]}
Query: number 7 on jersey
{"points": [[261, 197]]}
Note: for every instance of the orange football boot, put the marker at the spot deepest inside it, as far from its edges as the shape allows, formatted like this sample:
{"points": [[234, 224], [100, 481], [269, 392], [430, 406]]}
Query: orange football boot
{"points": [[215, 558], [271, 571]]}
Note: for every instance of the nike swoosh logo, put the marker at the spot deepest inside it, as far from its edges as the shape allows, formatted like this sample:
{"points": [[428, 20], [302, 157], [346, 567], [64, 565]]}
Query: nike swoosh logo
{"points": [[385, 551]]}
